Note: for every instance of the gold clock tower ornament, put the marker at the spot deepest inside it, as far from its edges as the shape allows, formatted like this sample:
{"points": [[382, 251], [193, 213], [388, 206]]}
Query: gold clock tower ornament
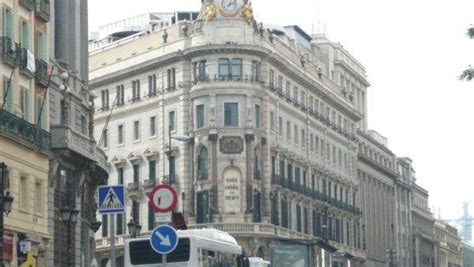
{"points": [[210, 12], [247, 12]]}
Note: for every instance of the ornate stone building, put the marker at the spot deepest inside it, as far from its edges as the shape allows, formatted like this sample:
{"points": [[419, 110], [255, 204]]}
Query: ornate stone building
{"points": [[269, 115], [78, 166]]}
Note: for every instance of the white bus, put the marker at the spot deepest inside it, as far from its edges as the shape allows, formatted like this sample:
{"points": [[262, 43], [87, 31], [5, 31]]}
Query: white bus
{"points": [[196, 248], [258, 262]]}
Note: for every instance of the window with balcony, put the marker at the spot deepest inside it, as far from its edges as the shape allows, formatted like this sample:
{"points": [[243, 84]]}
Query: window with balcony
{"points": [[202, 164], [201, 71], [200, 117], [256, 165], [135, 90], [303, 139], [152, 85], [298, 218], [257, 207], [136, 130], [280, 82], [255, 71], [171, 79], [120, 135], [257, 116], [230, 70], [288, 89], [152, 126], [231, 114], [151, 218], [104, 99], [42, 9], [284, 214], [120, 95], [272, 121], [136, 211]]}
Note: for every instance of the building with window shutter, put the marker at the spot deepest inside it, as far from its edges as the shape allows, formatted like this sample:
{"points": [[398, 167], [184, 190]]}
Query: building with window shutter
{"points": [[25, 138]]}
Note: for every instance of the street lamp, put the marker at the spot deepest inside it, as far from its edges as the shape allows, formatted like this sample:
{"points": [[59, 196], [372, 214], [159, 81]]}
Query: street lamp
{"points": [[69, 216], [134, 228]]}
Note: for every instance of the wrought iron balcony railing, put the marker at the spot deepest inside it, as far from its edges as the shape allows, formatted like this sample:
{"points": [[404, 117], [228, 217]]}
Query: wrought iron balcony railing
{"points": [[23, 63], [24, 132], [150, 183], [41, 73], [9, 50], [28, 4], [42, 10]]}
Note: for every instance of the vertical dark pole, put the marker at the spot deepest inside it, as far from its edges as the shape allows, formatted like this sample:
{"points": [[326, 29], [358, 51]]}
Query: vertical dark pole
{"points": [[69, 254], [170, 179], [3, 170]]}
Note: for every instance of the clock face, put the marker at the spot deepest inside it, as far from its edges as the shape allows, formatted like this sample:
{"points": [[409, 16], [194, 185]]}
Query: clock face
{"points": [[229, 6]]}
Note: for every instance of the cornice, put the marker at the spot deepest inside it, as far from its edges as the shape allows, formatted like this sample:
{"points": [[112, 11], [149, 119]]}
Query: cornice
{"points": [[376, 166]]}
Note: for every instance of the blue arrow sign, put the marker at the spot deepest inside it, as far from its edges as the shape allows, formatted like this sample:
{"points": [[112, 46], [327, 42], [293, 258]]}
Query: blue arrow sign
{"points": [[164, 239], [111, 199]]}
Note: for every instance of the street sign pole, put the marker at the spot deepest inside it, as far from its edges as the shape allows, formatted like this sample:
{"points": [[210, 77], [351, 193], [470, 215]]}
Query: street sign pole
{"points": [[164, 260], [112, 241]]}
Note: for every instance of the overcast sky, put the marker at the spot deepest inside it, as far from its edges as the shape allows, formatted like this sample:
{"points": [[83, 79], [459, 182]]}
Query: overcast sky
{"points": [[413, 52]]}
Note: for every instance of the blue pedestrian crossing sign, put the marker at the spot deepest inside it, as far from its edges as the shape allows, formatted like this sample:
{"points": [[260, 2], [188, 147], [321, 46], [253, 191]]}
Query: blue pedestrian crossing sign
{"points": [[111, 199], [164, 239]]}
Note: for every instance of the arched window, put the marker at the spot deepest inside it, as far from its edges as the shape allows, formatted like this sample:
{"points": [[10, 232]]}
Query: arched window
{"points": [[202, 164], [261, 252], [103, 262]]}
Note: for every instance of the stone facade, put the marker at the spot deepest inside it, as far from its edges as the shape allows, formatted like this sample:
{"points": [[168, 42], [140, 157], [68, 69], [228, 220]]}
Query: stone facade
{"points": [[272, 125]]}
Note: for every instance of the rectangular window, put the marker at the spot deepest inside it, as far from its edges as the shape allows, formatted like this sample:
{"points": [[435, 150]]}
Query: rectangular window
{"points": [[288, 131], [171, 78], [24, 192], [135, 90], [120, 224], [224, 69], [25, 35], [152, 126], [120, 134], [151, 218], [8, 29], [272, 121], [105, 225], [231, 114], [38, 198], [296, 134], [257, 116], [172, 120], [136, 130], [152, 85], [311, 143], [303, 138], [26, 104], [41, 50], [272, 79], [200, 122], [255, 71], [280, 126], [152, 170], [120, 175], [236, 69], [41, 112], [105, 141], [120, 95], [202, 75], [136, 173], [9, 91]]}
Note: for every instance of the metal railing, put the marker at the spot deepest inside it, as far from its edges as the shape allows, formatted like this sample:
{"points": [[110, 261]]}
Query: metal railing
{"points": [[41, 73], [42, 9], [28, 4], [24, 132], [9, 50]]}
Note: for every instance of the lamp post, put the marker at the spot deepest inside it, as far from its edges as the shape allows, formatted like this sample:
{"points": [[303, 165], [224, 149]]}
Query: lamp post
{"points": [[134, 228], [5, 205], [69, 216]]}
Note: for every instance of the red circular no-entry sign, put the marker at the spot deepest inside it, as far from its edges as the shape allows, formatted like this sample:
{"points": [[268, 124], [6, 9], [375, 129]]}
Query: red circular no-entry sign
{"points": [[163, 198]]}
